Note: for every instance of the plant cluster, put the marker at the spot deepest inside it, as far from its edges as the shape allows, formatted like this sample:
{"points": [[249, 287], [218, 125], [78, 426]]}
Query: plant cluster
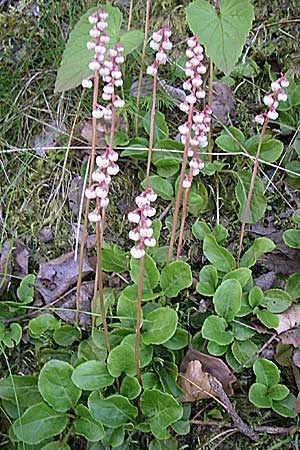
{"points": [[119, 382]]}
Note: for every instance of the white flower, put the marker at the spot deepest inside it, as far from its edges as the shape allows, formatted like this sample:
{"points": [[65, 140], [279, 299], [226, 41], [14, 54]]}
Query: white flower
{"points": [[275, 86], [101, 193], [137, 253], [150, 242], [201, 164], [119, 83], [168, 33], [148, 222], [187, 86], [167, 45], [119, 103], [268, 100], [284, 82], [116, 74], [198, 118], [120, 48], [191, 99], [108, 64], [104, 202], [102, 162], [103, 15], [102, 25], [195, 61], [259, 119], [98, 177], [272, 114], [200, 93], [190, 152], [93, 20], [201, 69], [151, 70], [94, 65], [282, 97], [97, 113], [104, 39], [151, 196], [87, 83], [197, 82], [183, 139], [106, 79], [189, 53], [198, 50], [90, 45], [113, 169], [184, 107], [154, 45], [134, 235], [191, 43], [194, 164], [157, 37], [186, 184], [196, 172], [106, 97], [141, 201], [149, 212], [133, 217], [94, 217], [90, 193], [112, 52], [161, 57], [104, 71], [119, 59], [94, 33], [146, 232], [113, 156], [183, 129], [194, 141], [189, 72], [108, 89], [100, 49]]}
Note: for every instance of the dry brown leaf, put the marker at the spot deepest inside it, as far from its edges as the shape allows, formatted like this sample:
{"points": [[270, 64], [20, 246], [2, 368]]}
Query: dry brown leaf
{"points": [[194, 383], [13, 260], [289, 319], [5, 265], [103, 127], [57, 276], [266, 280], [20, 258]]}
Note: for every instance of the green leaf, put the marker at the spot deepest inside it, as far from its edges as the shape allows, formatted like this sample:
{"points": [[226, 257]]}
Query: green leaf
{"points": [[266, 372], [227, 299], [159, 326], [39, 422], [241, 331], [200, 230], [86, 426], [114, 438], [114, 259], [131, 40], [162, 187], [12, 335], [259, 247], [182, 426], [145, 351], [296, 214], [292, 238], [267, 318], [25, 291], [293, 286], [277, 300], [220, 233], [178, 341], [242, 275], [91, 350], [285, 407], [243, 351], [258, 395], [151, 273], [278, 392], [42, 323], [131, 293], [164, 444], [270, 151], [130, 387], [56, 385], [121, 359], [214, 329], [230, 143], [256, 296], [161, 410], [174, 277], [223, 33], [92, 375], [258, 201], [25, 388], [208, 281], [66, 335], [161, 130], [217, 255], [216, 349], [112, 411], [126, 311], [168, 374], [56, 446], [76, 58]]}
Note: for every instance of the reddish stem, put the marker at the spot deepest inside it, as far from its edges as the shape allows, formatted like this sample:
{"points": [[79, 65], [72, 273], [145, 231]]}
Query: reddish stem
{"points": [[138, 320], [151, 137], [255, 167], [178, 197], [184, 208]]}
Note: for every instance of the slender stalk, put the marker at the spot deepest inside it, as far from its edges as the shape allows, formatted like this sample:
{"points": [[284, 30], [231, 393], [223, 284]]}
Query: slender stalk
{"points": [[130, 15], [255, 167], [139, 91], [184, 209], [151, 137], [87, 206], [138, 320], [94, 309], [209, 101], [178, 197]]}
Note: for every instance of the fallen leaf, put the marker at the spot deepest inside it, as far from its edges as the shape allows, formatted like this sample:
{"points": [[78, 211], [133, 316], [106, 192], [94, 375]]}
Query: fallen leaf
{"points": [[5, 265], [289, 319], [57, 276], [13, 260], [194, 382], [266, 280], [223, 101], [296, 357], [75, 194], [209, 365], [20, 259], [48, 138], [103, 127]]}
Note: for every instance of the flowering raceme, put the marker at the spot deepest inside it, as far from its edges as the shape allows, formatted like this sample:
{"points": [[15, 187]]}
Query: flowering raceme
{"points": [[271, 100], [161, 43]]}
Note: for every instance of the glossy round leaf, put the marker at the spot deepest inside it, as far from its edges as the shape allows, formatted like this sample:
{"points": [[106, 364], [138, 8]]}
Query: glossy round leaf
{"points": [[277, 300], [214, 329], [112, 411], [159, 326], [227, 299], [208, 281], [175, 277], [92, 375]]}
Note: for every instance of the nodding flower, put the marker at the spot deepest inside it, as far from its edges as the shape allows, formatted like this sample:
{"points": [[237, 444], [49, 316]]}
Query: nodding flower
{"points": [[271, 100], [142, 234], [161, 43], [101, 177]]}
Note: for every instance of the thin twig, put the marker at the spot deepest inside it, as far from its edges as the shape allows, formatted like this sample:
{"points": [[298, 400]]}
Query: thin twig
{"points": [[130, 15]]}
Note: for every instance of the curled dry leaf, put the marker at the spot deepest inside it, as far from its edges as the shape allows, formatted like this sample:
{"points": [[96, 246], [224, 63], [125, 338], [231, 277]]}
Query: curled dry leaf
{"points": [[266, 280], [57, 276], [194, 375], [289, 326]]}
